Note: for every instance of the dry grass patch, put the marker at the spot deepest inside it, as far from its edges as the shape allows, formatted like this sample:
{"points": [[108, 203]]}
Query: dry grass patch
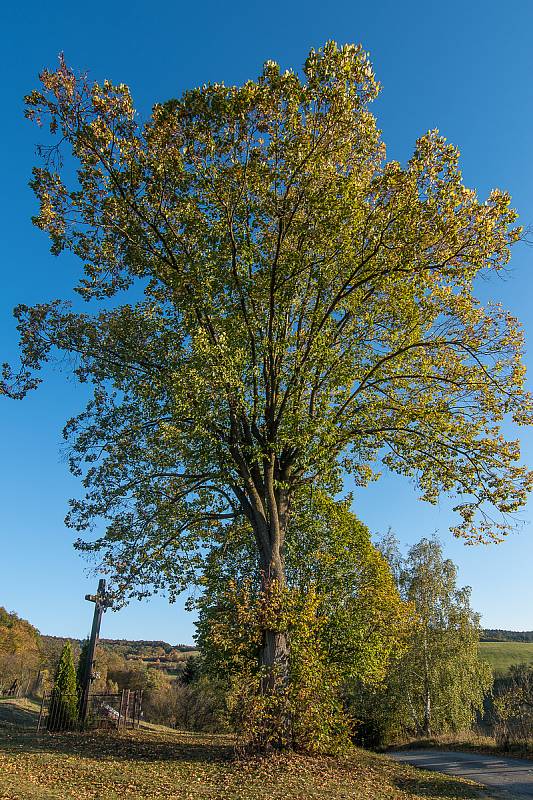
{"points": [[155, 764]]}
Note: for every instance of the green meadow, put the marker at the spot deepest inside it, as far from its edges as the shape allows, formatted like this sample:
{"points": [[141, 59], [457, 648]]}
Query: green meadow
{"points": [[502, 655]]}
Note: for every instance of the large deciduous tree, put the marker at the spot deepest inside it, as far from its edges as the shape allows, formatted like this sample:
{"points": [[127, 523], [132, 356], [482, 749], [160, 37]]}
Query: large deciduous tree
{"points": [[298, 307]]}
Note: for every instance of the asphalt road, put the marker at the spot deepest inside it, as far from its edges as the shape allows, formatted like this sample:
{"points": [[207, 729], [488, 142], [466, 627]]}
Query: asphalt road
{"points": [[511, 775]]}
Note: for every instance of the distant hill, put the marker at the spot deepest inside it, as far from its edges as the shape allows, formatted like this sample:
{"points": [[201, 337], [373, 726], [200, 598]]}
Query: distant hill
{"points": [[499, 635], [150, 653], [28, 659], [135, 644], [130, 645]]}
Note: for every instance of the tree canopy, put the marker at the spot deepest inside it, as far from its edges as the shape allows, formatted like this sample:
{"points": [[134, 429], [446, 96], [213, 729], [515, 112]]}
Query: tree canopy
{"points": [[21, 653]]}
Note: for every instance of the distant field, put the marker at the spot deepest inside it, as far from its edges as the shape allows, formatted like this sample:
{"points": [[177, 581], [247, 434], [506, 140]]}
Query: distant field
{"points": [[502, 655]]}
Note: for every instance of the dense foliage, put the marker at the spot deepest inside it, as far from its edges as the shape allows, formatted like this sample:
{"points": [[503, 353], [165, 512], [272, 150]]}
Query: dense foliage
{"points": [[513, 707], [341, 613], [21, 654]]}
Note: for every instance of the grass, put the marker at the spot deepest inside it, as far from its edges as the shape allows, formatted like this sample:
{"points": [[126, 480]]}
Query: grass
{"points": [[468, 741], [463, 741], [150, 764], [502, 655], [21, 712]]}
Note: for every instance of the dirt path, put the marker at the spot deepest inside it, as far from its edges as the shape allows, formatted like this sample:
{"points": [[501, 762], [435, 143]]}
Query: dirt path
{"points": [[511, 775]]}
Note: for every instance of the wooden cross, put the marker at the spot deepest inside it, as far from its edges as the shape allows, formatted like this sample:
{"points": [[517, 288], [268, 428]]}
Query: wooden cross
{"points": [[101, 602]]}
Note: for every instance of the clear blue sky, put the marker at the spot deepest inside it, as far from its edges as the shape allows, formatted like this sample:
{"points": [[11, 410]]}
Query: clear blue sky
{"points": [[466, 68]]}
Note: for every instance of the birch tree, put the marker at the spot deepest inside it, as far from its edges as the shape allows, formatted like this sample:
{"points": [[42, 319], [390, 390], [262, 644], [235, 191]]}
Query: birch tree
{"points": [[440, 682]]}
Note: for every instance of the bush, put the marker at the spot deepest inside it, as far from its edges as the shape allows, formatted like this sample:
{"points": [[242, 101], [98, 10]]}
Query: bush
{"points": [[201, 706], [513, 707], [304, 711]]}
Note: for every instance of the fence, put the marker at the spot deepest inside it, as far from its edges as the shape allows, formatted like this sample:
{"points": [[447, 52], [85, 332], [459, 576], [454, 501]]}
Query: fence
{"points": [[108, 711], [15, 689]]}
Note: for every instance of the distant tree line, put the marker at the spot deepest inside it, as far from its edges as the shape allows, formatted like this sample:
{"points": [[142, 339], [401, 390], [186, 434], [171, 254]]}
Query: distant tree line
{"points": [[131, 648], [499, 635]]}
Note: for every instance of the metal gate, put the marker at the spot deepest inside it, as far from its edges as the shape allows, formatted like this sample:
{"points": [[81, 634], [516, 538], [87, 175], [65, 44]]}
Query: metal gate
{"points": [[107, 711]]}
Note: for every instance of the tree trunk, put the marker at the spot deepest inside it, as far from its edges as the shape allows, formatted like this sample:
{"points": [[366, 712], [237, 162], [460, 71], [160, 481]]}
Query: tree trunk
{"points": [[274, 657], [427, 692], [427, 715], [274, 653], [274, 661], [267, 508], [276, 732]]}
